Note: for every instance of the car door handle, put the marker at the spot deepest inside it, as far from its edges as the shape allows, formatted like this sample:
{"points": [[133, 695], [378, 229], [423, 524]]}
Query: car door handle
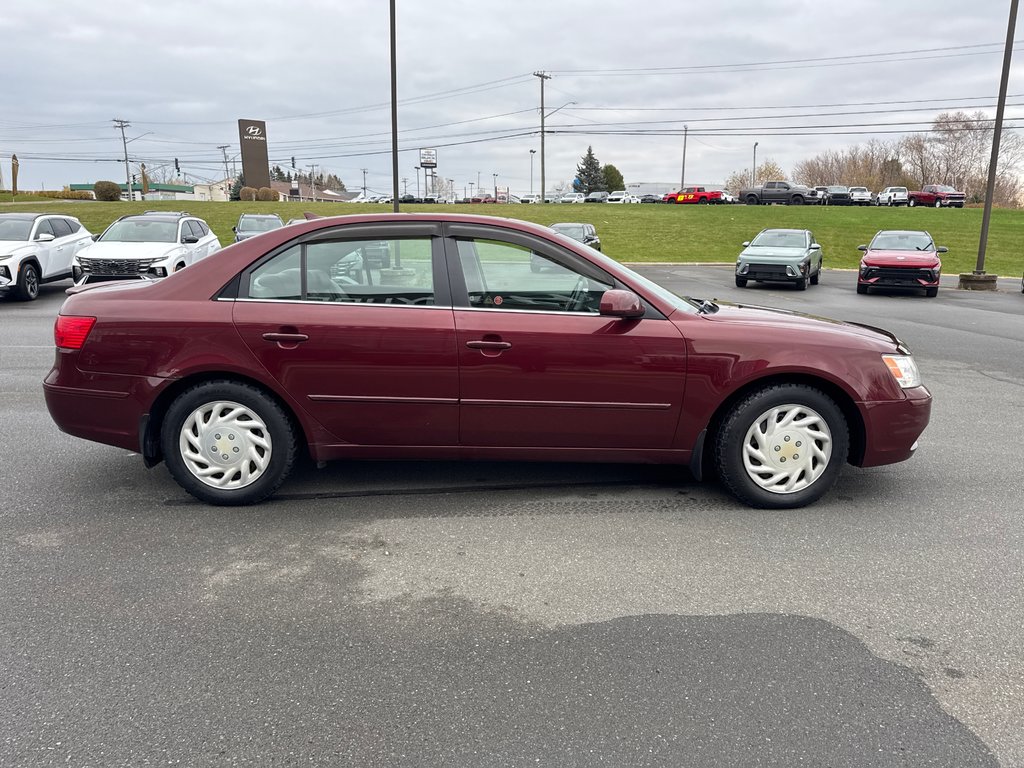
{"points": [[286, 338], [490, 345]]}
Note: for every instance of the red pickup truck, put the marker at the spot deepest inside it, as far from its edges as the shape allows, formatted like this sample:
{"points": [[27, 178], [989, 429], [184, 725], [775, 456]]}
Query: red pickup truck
{"points": [[937, 195], [694, 195]]}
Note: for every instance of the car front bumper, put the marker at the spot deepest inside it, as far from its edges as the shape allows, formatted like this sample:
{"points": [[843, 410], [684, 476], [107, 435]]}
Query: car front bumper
{"points": [[892, 427]]}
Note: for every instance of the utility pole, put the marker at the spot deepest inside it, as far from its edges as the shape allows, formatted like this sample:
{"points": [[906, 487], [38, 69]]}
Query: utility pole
{"points": [[417, 180], [495, 177], [312, 181], [405, 186], [543, 76], [364, 182], [532, 153], [471, 190], [122, 124], [682, 174], [753, 172], [990, 189], [394, 122], [224, 150]]}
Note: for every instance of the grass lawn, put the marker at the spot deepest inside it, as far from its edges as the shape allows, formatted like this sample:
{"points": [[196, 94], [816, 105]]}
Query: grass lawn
{"points": [[661, 233]]}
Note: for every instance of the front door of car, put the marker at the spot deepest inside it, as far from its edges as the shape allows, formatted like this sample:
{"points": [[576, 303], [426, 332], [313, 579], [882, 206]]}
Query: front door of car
{"points": [[539, 366], [369, 353]]}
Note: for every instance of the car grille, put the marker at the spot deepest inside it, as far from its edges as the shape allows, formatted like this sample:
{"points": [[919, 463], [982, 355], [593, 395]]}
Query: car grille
{"points": [[766, 272], [898, 276], [116, 267]]}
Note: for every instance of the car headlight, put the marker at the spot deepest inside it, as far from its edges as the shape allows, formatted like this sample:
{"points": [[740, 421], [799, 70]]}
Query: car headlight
{"points": [[903, 369]]}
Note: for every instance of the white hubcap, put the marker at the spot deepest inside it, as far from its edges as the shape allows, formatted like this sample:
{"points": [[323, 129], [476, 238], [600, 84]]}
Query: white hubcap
{"points": [[787, 448], [225, 445]]}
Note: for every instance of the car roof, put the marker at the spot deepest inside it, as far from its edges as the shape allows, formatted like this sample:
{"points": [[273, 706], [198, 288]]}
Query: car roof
{"points": [[259, 216], [571, 224], [902, 232], [22, 216], [151, 216], [773, 229]]}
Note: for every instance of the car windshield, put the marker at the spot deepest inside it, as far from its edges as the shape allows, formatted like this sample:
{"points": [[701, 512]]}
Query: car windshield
{"points": [[575, 231], [260, 224], [15, 229], [141, 231], [902, 241], [772, 239]]}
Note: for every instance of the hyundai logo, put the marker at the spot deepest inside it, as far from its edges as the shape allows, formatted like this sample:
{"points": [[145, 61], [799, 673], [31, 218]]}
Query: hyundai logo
{"points": [[254, 130]]}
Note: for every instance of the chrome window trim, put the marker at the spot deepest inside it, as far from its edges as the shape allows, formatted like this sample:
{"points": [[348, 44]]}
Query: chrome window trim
{"points": [[336, 303]]}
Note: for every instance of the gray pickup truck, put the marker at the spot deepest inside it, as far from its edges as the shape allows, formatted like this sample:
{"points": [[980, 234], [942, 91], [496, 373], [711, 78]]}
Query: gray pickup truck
{"points": [[779, 192]]}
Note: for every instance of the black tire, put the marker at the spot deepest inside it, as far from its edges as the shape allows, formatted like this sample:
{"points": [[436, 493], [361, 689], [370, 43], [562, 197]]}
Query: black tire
{"points": [[931, 293], [862, 289], [752, 200], [741, 282], [816, 276], [279, 428], [796, 200], [702, 201], [730, 444], [27, 288], [801, 284], [938, 203]]}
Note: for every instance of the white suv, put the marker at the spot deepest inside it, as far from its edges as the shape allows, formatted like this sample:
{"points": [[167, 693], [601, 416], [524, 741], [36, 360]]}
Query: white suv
{"points": [[618, 197], [145, 246], [572, 197], [37, 248], [892, 196]]}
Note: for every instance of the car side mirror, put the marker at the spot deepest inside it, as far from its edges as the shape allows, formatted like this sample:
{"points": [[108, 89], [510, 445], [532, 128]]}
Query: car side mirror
{"points": [[235, 230], [620, 303], [190, 239], [95, 237], [815, 246], [942, 249], [746, 243], [44, 237], [862, 247]]}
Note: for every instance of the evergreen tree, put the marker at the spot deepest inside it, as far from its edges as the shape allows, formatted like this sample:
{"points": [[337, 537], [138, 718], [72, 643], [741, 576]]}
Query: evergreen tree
{"points": [[589, 173], [236, 188], [613, 180]]}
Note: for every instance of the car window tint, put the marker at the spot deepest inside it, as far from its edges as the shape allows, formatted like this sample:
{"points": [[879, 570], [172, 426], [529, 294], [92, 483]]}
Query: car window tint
{"points": [[202, 227], [197, 231], [73, 225], [398, 272], [60, 227], [503, 276]]}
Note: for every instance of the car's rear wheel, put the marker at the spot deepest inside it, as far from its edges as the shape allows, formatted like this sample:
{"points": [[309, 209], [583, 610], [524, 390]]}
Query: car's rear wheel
{"points": [[741, 282], [228, 443], [782, 446], [28, 282]]}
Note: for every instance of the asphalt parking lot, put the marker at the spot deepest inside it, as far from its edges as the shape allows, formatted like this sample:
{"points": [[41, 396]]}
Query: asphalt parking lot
{"points": [[481, 614]]}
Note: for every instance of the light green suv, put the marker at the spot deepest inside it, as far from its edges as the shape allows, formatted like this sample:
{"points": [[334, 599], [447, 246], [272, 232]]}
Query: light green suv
{"points": [[780, 255]]}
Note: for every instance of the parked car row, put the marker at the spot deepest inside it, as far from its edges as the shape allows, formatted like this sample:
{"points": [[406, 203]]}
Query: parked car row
{"points": [[37, 248], [893, 259]]}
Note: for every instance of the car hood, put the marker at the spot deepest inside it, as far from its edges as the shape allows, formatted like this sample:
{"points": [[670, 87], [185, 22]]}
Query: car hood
{"points": [[901, 259], [770, 253], [103, 250], [783, 319], [7, 247]]}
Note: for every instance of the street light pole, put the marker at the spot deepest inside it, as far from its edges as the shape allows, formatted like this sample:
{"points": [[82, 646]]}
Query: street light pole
{"points": [[364, 182], [753, 171], [122, 124], [543, 76], [417, 180], [682, 173], [495, 177], [532, 153]]}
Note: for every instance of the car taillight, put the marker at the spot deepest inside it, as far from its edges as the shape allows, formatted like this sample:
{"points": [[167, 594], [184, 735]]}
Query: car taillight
{"points": [[70, 332]]}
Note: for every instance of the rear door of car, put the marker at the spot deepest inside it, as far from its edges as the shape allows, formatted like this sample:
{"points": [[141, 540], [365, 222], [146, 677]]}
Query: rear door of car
{"points": [[62, 249], [539, 367], [371, 356]]}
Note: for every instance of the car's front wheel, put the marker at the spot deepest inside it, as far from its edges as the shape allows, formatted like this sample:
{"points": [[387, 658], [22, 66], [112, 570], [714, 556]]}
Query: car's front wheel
{"points": [[228, 443], [912, 203], [28, 282], [782, 446], [741, 282]]}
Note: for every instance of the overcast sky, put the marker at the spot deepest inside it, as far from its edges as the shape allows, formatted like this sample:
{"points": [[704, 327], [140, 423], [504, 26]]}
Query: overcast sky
{"points": [[183, 73]]}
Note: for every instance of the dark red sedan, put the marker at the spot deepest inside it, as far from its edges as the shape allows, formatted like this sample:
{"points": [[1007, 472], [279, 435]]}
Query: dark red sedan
{"points": [[459, 350], [901, 259]]}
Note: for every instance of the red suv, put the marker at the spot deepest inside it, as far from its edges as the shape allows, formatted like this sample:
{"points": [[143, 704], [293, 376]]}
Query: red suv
{"points": [[232, 368], [901, 259]]}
